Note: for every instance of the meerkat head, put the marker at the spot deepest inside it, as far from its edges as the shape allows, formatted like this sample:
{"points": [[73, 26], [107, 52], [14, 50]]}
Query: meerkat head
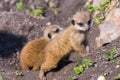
{"points": [[51, 31], [82, 21]]}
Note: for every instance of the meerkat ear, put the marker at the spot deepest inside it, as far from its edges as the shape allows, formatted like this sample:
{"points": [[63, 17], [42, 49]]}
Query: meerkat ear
{"points": [[49, 36], [73, 22]]}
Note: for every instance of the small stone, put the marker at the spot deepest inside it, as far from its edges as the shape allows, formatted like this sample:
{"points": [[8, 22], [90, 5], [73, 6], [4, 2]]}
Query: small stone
{"points": [[54, 79], [117, 66], [101, 78], [48, 23]]}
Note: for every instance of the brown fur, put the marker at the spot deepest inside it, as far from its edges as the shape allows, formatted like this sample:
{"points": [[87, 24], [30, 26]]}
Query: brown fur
{"points": [[32, 55], [69, 39]]}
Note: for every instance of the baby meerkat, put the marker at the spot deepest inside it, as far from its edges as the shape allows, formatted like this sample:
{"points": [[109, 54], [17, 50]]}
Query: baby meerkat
{"points": [[32, 55], [71, 38]]}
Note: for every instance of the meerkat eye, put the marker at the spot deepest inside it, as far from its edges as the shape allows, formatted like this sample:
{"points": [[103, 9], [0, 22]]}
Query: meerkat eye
{"points": [[89, 22], [57, 30], [80, 24], [49, 35], [73, 22]]}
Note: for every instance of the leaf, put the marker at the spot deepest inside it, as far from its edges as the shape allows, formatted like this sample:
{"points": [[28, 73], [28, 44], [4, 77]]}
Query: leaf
{"points": [[112, 51], [117, 77], [87, 62], [110, 54], [115, 61], [1, 77], [38, 11], [106, 2], [105, 74], [20, 5], [55, 10], [89, 7], [105, 56], [18, 73], [98, 8], [101, 16], [73, 77], [78, 69], [96, 21]]}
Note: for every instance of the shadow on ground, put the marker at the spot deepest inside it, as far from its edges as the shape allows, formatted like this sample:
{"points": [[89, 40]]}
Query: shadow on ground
{"points": [[10, 43]]}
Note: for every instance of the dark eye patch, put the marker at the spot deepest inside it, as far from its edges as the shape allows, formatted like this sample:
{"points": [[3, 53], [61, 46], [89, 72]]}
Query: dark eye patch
{"points": [[49, 35], [80, 24], [89, 22], [57, 30], [73, 22]]}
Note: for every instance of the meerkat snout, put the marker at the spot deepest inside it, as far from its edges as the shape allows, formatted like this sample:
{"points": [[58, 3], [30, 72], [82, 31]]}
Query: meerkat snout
{"points": [[82, 21]]}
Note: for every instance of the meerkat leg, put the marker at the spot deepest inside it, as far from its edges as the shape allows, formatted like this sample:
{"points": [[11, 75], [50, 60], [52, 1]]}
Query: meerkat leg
{"points": [[24, 67], [42, 75], [80, 49], [50, 63], [44, 68], [35, 67]]}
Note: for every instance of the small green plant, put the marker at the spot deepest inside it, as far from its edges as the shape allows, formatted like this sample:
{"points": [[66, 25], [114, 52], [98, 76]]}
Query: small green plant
{"points": [[111, 53], [115, 61], [103, 7], [78, 69], [38, 11], [18, 73], [55, 10], [87, 62], [117, 77], [20, 5], [105, 74], [81, 65], [73, 78], [1, 78]]}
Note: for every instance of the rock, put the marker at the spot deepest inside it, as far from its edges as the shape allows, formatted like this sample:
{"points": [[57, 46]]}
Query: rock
{"points": [[114, 15], [110, 29], [101, 78], [117, 66]]}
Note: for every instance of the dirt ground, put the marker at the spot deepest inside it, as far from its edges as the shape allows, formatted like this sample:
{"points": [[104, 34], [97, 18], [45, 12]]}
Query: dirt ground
{"points": [[18, 27]]}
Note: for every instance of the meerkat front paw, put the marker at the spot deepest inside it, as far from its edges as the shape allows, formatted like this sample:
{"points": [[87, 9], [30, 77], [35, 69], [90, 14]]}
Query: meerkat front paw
{"points": [[42, 77]]}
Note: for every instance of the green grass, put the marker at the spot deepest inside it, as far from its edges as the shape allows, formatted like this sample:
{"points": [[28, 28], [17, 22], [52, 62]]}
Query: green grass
{"points": [[110, 54], [73, 78], [105, 74], [20, 5], [38, 11], [55, 10], [18, 73], [103, 7], [1, 78], [117, 77], [81, 65]]}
